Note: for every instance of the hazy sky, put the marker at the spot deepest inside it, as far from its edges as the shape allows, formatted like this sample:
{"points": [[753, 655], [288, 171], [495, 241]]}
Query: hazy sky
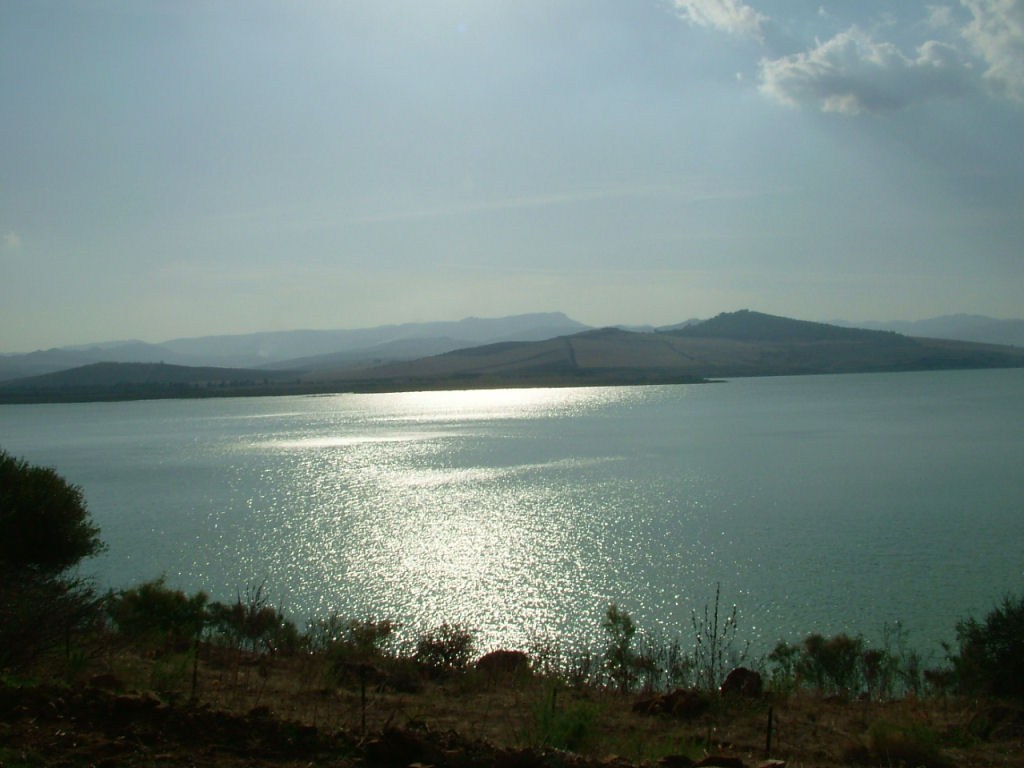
{"points": [[181, 168]]}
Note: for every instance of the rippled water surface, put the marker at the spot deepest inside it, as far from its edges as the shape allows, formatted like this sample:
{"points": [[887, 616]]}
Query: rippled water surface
{"points": [[827, 503]]}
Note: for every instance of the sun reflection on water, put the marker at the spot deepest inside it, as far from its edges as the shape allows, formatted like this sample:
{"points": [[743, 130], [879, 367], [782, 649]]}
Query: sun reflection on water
{"points": [[385, 521]]}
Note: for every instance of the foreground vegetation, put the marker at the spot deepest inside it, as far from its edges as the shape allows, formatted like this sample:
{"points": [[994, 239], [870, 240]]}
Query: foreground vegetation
{"points": [[206, 683], [151, 675]]}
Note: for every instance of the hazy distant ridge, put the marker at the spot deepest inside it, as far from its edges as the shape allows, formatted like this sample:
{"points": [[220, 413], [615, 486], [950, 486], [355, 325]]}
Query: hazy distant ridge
{"points": [[986, 330], [300, 348], [732, 344]]}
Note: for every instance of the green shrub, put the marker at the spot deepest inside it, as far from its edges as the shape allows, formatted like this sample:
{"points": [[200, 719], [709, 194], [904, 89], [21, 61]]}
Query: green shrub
{"points": [[41, 615], [832, 664], [843, 665], [619, 659], [903, 664], [364, 638], [892, 744], [349, 645], [154, 613], [662, 665], [714, 636], [46, 526], [990, 654], [46, 529], [448, 646], [558, 726], [783, 664], [254, 623]]}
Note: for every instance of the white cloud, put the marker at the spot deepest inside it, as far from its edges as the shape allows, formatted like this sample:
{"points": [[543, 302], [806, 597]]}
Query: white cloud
{"points": [[12, 241], [852, 74], [940, 17], [997, 34], [730, 16]]}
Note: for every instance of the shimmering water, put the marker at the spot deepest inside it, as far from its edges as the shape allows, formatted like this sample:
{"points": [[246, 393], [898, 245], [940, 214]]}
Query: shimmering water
{"points": [[828, 503]]}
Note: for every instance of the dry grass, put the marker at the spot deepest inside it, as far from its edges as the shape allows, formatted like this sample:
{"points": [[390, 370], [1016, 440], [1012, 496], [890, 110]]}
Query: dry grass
{"points": [[519, 711]]}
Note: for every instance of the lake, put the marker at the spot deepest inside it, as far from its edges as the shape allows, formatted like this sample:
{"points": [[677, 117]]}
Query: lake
{"points": [[818, 503]]}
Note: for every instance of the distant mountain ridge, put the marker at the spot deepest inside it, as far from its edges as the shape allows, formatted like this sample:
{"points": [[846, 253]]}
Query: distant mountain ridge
{"points": [[367, 347], [290, 349], [732, 344], [961, 327], [735, 344], [745, 325]]}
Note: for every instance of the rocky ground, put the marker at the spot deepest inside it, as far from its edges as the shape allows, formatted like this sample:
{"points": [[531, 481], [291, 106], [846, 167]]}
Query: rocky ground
{"points": [[126, 710]]}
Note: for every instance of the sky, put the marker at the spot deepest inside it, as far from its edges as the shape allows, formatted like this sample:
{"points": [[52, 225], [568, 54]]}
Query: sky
{"points": [[174, 168]]}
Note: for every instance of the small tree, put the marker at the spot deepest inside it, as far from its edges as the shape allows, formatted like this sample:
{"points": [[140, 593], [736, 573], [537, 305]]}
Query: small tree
{"points": [[45, 529], [255, 622], [990, 657], [448, 646], [618, 656], [713, 639], [155, 613], [45, 523], [833, 664]]}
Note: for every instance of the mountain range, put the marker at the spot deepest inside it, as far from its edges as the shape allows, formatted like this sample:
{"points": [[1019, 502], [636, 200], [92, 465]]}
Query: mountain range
{"points": [[300, 349], [732, 344], [316, 349]]}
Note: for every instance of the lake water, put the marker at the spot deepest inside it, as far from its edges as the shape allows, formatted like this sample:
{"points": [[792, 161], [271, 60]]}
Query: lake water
{"points": [[820, 504]]}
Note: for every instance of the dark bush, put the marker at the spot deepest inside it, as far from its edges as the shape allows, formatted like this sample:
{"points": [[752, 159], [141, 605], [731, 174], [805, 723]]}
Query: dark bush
{"points": [[152, 612], [619, 658], [45, 523], [40, 615], [990, 654], [254, 623], [46, 530], [447, 646], [832, 664], [842, 665]]}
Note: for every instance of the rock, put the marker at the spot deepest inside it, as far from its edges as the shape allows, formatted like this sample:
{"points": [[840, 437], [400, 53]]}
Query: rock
{"points": [[136, 703], [456, 758], [517, 758], [106, 682], [675, 761], [682, 703], [743, 682], [502, 663], [720, 761], [397, 748], [615, 761]]}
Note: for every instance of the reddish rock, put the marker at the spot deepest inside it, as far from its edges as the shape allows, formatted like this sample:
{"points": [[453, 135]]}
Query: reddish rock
{"points": [[682, 703], [743, 682], [499, 662], [106, 682], [720, 761], [675, 761], [398, 748]]}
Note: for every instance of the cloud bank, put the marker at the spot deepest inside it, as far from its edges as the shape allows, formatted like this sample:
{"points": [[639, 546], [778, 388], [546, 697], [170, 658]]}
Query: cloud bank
{"points": [[851, 74], [996, 33], [730, 16]]}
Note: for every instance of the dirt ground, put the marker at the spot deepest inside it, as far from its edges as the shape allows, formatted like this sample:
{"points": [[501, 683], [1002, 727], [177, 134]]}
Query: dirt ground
{"points": [[122, 709]]}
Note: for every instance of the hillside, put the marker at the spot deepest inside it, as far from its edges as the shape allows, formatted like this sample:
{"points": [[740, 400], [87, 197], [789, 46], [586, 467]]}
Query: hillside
{"points": [[732, 344], [301, 348], [987, 330], [126, 381]]}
